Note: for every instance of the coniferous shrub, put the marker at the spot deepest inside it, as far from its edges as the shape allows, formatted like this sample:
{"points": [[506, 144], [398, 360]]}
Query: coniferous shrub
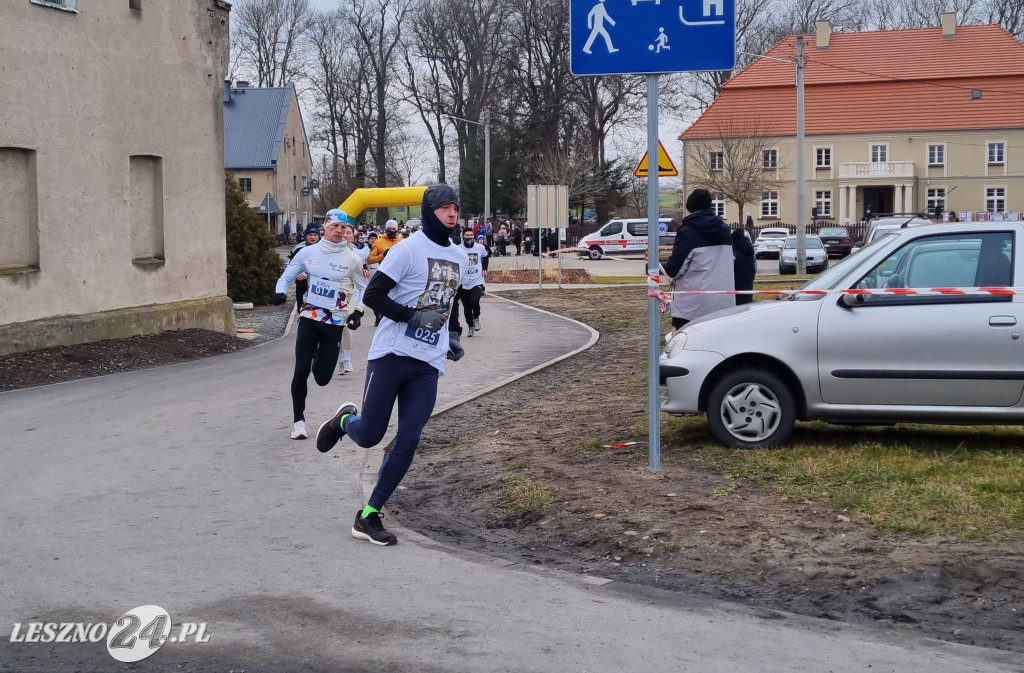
{"points": [[253, 263]]}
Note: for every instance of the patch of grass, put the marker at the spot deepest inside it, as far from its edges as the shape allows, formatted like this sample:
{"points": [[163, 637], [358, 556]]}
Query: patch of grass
{"points": [[950, 481], [516, 465], [520, 496], [618, 280], [593, 446], [623, 323]]}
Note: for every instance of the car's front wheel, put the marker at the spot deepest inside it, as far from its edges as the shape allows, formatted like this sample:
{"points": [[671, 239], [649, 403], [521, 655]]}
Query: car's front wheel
{"points": [[750, 408], [595, 252]]}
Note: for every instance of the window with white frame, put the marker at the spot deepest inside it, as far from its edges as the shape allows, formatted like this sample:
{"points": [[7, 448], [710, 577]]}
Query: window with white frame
{"points": [[245, 184], [716, 160], [770, 158], [996, 153], [823, 202], [718, 205], [936, 154], [823, 157], [769, 204], [995, 199], [879, 153], [936, 198]]}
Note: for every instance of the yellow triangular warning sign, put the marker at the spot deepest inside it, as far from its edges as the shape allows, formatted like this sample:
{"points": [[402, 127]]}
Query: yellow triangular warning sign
{"points": [[665, 166]]}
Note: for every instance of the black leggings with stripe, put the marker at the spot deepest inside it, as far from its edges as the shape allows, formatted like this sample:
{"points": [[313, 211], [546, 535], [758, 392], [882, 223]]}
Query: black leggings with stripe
{"points": [[413, 384], [317, 346]]}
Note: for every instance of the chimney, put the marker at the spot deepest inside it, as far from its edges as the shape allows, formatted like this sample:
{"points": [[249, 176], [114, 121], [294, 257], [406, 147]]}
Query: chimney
{"points": [[823, 27], [242, 84], [948, 24]]}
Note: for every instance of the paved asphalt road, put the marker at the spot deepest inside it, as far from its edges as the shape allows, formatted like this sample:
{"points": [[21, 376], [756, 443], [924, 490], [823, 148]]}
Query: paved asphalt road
{"points": [[178, 487]]}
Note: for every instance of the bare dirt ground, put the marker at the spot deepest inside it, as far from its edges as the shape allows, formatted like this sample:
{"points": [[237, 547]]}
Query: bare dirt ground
{"points": [[687, 528]]}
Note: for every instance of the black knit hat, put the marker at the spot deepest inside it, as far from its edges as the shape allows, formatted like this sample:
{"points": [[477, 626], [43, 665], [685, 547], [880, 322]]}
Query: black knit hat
{"points": [[439, 195], [699, 199], [435, 197]]}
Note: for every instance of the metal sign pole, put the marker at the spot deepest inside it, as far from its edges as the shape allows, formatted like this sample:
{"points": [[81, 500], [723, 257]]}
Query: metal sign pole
{"points": [[653, 315]]}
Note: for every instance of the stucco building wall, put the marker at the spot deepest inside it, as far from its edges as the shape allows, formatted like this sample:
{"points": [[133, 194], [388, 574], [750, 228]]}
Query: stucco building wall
{"points": [[112, 153]]}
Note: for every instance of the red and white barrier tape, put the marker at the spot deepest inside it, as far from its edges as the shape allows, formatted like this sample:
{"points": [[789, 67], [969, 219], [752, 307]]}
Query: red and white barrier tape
{"points": [[576, 249], [654, 290]]}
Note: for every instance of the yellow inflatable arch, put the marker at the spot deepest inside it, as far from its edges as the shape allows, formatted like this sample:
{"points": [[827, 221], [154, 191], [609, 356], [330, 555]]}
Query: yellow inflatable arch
{"points": [[382, 197]]}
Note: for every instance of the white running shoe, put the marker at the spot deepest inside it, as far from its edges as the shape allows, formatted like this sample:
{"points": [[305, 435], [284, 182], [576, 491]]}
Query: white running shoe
{"points": [[476, 324], [348, 367], [470, 330], [299, 431]]}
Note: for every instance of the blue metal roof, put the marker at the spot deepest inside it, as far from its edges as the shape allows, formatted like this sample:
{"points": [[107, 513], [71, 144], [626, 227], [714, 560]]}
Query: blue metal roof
{"points": [[254, 119]]}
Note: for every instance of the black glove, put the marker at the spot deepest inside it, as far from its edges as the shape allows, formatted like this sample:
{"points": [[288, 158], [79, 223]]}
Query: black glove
{"points": [[280, 298], [354, 318], [455, 349], [429, 319]]}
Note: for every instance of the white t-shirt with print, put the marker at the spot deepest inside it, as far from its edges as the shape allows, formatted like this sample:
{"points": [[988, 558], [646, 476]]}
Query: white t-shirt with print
{"points": [[475, 271], [426, 275]]}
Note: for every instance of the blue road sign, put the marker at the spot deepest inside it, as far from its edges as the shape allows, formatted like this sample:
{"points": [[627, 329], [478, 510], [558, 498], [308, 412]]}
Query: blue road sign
{"points": [[626, 37]]}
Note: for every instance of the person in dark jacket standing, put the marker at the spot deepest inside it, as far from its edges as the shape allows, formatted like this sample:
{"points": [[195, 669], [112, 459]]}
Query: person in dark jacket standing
{"points": [[744, 266], [301, 283], [701, 259]]}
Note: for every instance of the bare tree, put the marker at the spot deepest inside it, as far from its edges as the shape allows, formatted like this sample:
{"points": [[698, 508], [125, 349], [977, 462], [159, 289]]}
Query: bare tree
{"points": [[604, 102], [453, 75], [378, 28], [754, 35], [1007, 13], [267, 36], [572, 169], [925, 13], [733, 163]]}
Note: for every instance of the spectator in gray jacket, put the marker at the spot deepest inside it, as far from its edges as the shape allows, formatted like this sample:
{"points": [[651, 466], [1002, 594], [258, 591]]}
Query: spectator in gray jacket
{"points": [[701, 259]]}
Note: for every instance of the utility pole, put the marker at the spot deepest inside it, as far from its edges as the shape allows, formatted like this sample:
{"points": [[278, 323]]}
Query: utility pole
{"points": [[801, 182], [486, 114]]}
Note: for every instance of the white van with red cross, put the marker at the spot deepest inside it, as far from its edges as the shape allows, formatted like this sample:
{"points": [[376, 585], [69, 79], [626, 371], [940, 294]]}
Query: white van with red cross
{"points": [[618, 237]]}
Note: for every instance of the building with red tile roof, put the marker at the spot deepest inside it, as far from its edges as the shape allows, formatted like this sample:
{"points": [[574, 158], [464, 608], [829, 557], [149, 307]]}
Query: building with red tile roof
{"points": [[895, 121]]}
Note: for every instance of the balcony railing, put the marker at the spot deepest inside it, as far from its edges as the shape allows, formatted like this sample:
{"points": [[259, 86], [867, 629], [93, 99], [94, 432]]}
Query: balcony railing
{"points": [[876, 169]]}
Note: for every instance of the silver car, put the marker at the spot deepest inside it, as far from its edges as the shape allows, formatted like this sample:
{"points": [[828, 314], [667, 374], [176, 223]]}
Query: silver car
{"points": [[816, 257], [886, 355]]}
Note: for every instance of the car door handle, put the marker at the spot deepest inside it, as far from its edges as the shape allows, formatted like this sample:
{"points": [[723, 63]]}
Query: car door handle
{"points": [[1002, 321]]}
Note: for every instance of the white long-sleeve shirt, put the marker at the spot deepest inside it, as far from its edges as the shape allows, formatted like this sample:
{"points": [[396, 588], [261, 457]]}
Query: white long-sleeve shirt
{"points": [[336, 282]]}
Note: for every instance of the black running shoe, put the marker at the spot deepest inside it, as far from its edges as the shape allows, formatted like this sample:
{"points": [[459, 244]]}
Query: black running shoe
{"points": [[372, 530], [331, 432]]}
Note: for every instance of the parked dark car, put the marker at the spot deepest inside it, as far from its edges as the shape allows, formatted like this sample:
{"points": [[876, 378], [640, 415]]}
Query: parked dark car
{"points": [[666, 241], [837, 240]]}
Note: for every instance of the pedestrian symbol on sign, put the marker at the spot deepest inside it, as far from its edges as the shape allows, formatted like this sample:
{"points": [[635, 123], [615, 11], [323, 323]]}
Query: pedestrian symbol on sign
{"points": [[595, 22]]}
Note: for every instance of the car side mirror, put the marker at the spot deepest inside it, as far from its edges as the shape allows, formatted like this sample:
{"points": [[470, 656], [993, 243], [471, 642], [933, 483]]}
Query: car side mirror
{"points": [[851, 300]]}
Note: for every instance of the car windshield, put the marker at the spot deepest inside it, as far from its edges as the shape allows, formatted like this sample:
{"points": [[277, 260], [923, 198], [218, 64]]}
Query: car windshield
{"points": [[829, 279], [812, 243], [834, 232]]}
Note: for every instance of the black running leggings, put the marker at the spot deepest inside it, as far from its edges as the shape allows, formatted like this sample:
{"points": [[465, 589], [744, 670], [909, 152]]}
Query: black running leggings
{"points": [[317, 346]]}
